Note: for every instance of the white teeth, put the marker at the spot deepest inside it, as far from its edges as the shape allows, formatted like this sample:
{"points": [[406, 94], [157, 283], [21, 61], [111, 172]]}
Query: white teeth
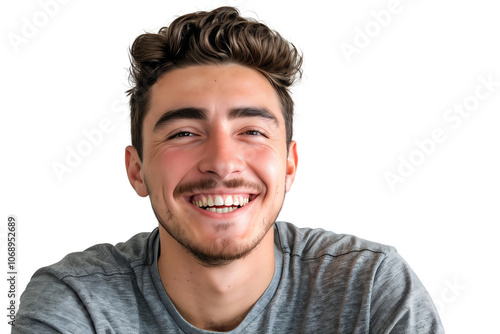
{"points": [[218, 200], [222, 210], [230, 202]]}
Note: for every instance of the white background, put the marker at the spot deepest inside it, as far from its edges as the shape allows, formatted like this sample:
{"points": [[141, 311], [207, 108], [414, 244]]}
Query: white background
{"points": [[355, 118]]}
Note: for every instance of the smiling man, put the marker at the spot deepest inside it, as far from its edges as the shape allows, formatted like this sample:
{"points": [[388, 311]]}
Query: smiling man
{"points": [[212, 148], [214, 163]]}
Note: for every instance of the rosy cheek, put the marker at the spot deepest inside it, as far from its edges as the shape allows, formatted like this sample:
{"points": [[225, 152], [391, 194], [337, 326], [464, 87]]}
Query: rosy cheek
{"points": [[268, 165], [174, 164], [167, 171]]}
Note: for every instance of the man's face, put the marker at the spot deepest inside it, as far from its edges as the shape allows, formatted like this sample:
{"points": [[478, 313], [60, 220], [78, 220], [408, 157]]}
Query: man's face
{"points": [[215, 161]]}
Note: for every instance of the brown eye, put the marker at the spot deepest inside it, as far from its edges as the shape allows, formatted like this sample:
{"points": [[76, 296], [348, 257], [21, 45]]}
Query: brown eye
{"points": [[253, 133], [181, 134]]}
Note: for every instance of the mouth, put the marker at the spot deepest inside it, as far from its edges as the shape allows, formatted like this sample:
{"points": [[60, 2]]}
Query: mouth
{"points": [[221, 203]]}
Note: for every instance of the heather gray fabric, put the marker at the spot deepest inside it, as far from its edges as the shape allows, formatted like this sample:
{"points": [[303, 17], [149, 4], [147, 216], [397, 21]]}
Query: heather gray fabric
{"points": [[323, 283]]}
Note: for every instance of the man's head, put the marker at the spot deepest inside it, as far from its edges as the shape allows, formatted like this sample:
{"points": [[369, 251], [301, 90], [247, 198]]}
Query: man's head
{"points": [[215, 154], [204, 38]]}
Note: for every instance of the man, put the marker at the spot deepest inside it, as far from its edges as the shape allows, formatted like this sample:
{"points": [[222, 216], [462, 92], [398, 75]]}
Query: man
{"points": [[212, 148]]}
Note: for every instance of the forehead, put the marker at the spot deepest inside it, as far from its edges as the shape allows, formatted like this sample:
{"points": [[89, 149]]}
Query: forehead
{"points": [[215, 88]]}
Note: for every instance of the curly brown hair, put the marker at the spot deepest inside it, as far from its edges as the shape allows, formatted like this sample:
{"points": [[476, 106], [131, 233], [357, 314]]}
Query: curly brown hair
{"points": [[204, 38]]}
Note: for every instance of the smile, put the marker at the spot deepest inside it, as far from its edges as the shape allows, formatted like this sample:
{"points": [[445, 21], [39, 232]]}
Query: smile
{"points": [[221, 203]]}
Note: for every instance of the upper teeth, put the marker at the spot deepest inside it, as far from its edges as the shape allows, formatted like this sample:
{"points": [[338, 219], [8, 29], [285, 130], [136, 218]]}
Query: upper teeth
{"points": [[220, 200]]}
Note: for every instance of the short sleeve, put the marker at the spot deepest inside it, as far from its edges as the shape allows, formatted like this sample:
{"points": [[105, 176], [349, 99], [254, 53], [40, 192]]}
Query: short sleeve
{"points": [[48, 305], [400, 303]]}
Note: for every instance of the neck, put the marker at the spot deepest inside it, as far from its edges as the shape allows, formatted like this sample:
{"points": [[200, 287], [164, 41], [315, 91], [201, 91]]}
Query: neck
{"points": [[215, 298]]}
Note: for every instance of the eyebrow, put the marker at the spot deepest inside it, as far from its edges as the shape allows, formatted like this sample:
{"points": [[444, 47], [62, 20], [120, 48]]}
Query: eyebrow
{"points": [[201, 114], [252, 112], [182, 113]]}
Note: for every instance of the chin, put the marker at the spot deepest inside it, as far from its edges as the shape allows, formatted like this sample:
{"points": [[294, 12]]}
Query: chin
{"points": [[222, 251], [224, 243]]}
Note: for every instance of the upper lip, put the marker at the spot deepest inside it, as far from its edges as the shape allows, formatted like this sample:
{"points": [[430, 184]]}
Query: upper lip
{"points": [[221, 192], [218, 187], [224, 191]]}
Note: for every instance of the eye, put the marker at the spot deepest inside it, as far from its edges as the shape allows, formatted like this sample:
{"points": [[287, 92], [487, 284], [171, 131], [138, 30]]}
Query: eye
{"points": [[253, 133], [180, 135]]}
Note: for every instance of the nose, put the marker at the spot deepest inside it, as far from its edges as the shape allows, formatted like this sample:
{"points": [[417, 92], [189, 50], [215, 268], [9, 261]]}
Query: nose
{"points": [[222, 156]]}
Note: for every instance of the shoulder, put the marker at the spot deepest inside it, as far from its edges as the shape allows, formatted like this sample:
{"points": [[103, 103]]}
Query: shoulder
{"points": [[104, 259], [309, 243], [352, 271], [71, 294]]}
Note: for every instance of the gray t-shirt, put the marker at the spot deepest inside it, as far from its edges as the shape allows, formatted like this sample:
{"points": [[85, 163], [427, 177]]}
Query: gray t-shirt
{"points": [[323, 283]]}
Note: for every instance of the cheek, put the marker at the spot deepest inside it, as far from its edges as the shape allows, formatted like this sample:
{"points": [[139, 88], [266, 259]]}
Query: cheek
{"points": [[170, 167], [271, 168]]}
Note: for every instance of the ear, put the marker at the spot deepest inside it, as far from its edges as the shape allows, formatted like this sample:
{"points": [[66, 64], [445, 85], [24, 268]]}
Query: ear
{"points": [[291, 165], [134, 171]]}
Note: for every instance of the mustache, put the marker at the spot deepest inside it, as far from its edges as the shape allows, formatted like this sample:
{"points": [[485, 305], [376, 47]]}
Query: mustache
{"points": [[209, 184]]}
